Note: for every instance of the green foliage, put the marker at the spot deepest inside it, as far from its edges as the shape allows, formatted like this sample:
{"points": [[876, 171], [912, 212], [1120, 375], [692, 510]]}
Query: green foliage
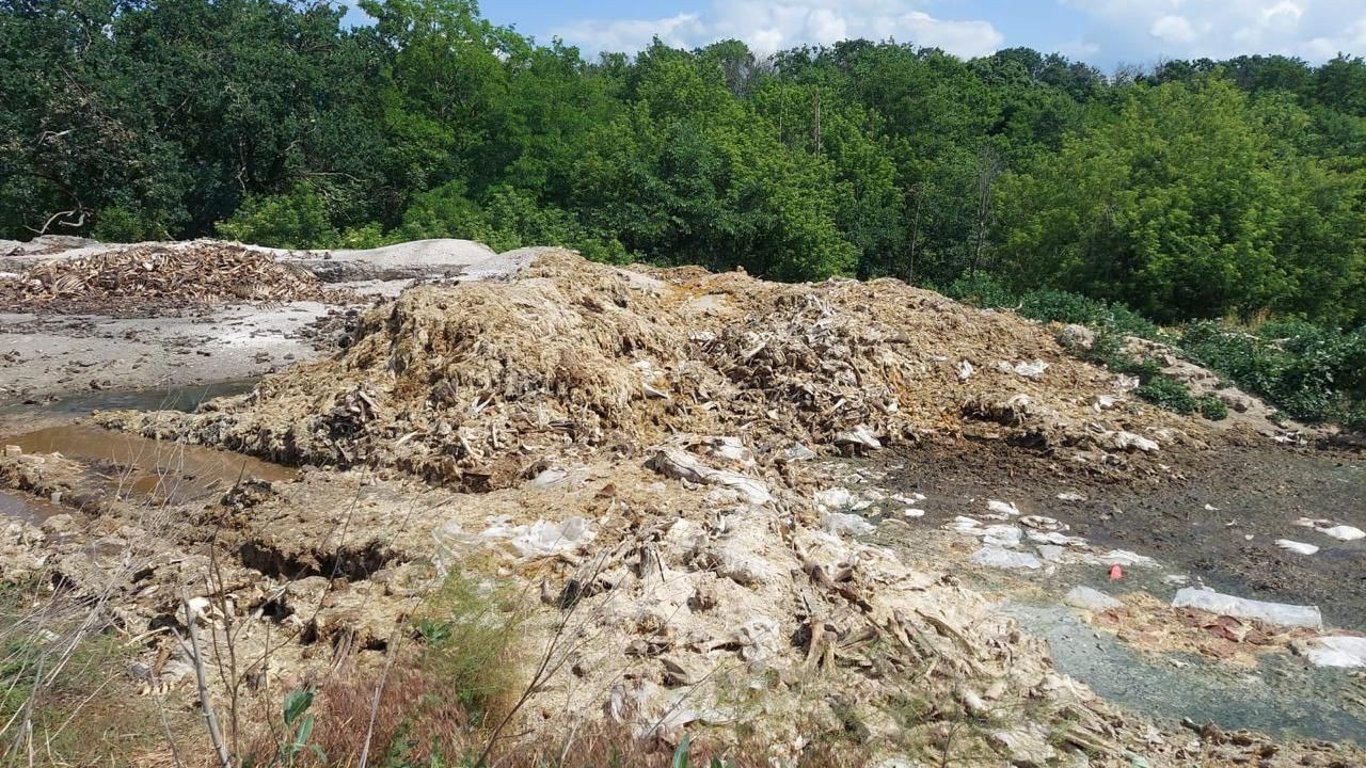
{"points": [[1212, 408], [1165, 392], [682, 757], [294, 220], [469, 631], [1201, 189], [117, 224], [298, 727], [981, 290], [63, 683], [1310, 372]]}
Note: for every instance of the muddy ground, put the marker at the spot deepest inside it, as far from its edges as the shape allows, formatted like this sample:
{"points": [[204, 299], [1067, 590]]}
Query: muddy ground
{"points": [[1257, 494]]}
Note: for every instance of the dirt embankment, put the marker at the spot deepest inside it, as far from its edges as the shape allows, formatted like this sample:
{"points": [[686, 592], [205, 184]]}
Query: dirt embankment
{"points": [[637, 450]]}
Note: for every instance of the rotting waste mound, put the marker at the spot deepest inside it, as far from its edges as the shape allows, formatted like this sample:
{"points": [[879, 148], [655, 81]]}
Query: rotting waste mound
{"points": [[148, 275], [478, 385], [633, 442]]}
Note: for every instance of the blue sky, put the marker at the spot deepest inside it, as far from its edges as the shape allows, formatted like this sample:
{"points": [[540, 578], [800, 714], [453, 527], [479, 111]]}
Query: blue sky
{"points": [[1105, 33]]}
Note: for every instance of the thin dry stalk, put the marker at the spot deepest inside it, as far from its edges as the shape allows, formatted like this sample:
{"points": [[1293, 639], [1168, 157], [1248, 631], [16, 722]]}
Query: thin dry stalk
{"points": [[195, 651]]}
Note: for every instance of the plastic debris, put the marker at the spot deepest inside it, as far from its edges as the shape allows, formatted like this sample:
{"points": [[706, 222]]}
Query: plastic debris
{"points": [[1054, 537], [1297, 546], [1089, 599], [1002, 535], [909, 500], [1344, 532], [543, 539], [965, 370], [1003, 507], [1126, 558], [1336, 651], [1126, 441], [1032, 370], [964, 525], [1071, 496], [549, 477], [1242, 608], [997, 557], [843, 499], [680, 464], [539, 539], [860, 435], [847, 524], [1116, 572]]}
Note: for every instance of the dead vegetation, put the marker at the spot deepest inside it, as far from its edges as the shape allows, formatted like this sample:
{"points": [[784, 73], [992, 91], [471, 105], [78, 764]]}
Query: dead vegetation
{"points": [[479, 385], [616, 546], [193, 274]]}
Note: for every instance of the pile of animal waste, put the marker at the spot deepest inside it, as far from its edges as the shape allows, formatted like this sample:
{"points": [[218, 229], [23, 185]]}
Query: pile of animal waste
{"points": [[478, 385], [636, 456], [145, 277]]}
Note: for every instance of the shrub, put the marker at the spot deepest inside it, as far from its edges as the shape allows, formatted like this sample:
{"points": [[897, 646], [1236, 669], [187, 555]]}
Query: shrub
{"points": [[297, 219], [1310, 372], [981, 290], [117, 224], [1165, 392], [469, 631], [1212, 408]]}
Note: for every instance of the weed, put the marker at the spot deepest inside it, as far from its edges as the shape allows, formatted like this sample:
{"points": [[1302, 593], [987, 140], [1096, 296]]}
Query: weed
{"points": [[1165, 392], [64, 697], [1212, 408], [468, 631]]}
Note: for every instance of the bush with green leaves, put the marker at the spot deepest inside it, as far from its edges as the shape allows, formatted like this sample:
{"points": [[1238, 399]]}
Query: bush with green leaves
{"points": [[1310, 372], [506, 218], [1212, 408], [981, 290], [1165, 392], [297, 219]]}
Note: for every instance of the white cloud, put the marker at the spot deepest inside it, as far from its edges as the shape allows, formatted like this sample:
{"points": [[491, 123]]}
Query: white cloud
{"points": [[1153, 29], [773, 26], [1173, 29], [631, 35]]}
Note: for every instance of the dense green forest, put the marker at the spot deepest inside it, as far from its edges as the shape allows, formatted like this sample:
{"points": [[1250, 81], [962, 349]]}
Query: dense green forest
{"points": [[1199, 189]]}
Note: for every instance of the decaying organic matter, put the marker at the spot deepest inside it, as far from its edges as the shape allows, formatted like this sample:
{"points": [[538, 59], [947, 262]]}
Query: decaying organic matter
{"points": [[206, 272], [640, 450], [478, 384]]}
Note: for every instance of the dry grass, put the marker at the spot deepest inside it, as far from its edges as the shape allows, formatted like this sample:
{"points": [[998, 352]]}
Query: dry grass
{"points": [[65, 698]]}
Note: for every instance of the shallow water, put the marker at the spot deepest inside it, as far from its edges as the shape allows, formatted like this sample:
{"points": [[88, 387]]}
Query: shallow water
{"points": [[180, 398], [135, 466], [28, 509], [1283, 697]]}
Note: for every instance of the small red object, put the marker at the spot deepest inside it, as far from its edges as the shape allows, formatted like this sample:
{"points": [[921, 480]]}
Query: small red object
{"points": [[1116, 573]]}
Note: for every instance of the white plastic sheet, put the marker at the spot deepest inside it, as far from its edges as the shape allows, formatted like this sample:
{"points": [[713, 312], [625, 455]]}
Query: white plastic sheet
{"points": [[1242, 608]]}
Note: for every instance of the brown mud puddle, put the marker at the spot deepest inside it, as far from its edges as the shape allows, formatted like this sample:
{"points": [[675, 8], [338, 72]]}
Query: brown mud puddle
{"points": [[133, 466]]}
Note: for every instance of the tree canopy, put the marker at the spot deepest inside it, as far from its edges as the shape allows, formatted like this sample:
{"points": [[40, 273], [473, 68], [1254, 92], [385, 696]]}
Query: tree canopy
{"points": [[1197, 189]]}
